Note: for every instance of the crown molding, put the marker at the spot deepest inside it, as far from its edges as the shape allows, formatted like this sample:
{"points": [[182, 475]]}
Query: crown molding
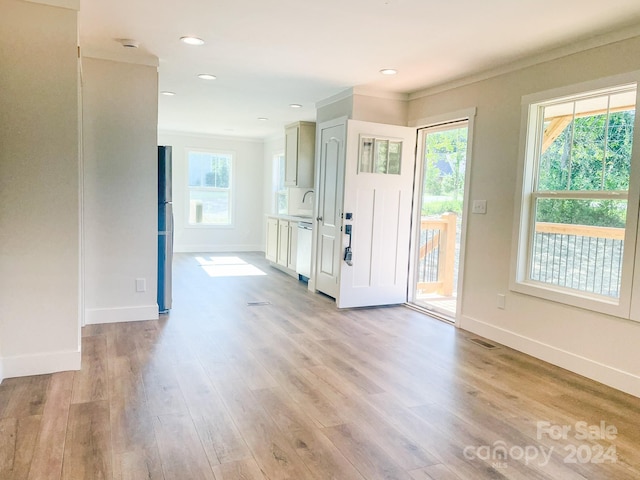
{"points": [[348, 93], [138, 58], [372, 92], [543, 57], [69, 4]]}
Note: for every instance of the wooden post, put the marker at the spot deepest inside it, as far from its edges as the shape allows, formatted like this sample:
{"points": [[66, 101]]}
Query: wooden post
{"points": [[449, 248]]}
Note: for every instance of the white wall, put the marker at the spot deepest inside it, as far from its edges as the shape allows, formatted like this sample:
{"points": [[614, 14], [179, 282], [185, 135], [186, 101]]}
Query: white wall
{"points": [[597, 346], [39, 189], [247, 190], [272, 147], [120, 121]]}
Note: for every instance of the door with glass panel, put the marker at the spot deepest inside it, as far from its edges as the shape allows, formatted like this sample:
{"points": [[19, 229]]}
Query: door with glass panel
{"points": [[441, 185], [376, 235]]}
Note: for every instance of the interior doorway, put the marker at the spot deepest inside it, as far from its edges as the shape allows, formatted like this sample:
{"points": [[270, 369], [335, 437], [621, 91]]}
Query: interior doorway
{"points": [[440, 186]]}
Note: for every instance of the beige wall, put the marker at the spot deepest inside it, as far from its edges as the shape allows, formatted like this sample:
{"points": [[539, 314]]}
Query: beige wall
{"points": [[336, 109], [598, 346], [39, 189], [120, 118], [381, 110], [365, 105]]}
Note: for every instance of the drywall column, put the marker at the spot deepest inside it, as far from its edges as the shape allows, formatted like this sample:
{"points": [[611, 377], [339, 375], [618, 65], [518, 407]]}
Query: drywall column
{"points": [[120, 124], [39, 188]]}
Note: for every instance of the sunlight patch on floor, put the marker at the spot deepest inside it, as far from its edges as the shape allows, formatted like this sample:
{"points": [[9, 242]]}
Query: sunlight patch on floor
{"points": [[228, 267]]}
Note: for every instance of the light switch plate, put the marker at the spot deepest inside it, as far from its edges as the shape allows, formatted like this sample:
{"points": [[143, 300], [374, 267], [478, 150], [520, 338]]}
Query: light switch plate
{"points": [[479, 207], [141, 285]]}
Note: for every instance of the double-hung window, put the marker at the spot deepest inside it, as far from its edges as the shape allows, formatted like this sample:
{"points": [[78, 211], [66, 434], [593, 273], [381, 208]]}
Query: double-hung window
{"points": [[576, 233], [210, 192], [281, 191]]}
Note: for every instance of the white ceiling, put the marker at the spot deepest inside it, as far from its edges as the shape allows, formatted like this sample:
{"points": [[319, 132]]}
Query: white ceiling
{"points": [[268, 54]]}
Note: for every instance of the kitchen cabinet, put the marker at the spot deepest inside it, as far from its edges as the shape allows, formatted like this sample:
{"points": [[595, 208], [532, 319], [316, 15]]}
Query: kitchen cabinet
{"points": [[299, 154], [272, 239], [292, 250], [282, 242]]}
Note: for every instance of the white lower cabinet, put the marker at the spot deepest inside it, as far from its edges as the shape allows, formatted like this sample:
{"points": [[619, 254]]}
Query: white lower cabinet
{"points": [[282, 242], [272, 239]]}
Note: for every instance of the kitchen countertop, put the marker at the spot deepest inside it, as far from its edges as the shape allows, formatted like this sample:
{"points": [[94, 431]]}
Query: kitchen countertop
{"points": [[293, 218]]}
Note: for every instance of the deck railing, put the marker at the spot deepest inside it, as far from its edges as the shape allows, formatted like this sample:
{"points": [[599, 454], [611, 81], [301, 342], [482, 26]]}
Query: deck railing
{"points": [[436, 263], [581, 257]]}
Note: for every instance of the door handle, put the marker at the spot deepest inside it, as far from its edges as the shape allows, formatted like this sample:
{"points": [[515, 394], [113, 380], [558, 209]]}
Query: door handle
{"points": [[348, 254], [319, 219]]}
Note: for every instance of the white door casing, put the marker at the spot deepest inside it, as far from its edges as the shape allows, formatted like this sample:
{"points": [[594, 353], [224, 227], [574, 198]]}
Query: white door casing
{"points": [[380, 204], [329, 186], [425, 126]]}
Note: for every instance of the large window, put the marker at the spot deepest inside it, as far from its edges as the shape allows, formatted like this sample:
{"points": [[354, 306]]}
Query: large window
{"points": [[210, 181], [281, 191], [576, 210]]}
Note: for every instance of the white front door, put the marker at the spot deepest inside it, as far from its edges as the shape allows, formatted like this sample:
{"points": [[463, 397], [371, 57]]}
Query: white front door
{"points": [[331, 157], [378, 189]]}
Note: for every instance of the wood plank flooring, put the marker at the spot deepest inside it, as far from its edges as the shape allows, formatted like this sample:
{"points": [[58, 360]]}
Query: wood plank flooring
{"points": [[295, 389]]}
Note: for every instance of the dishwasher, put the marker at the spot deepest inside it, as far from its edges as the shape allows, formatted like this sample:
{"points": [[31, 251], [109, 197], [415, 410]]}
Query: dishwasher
{"points": [[305, 238]]}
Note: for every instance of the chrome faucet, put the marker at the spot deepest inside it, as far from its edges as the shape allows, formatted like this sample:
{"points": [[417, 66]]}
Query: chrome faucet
{"points": [[304, 197]]}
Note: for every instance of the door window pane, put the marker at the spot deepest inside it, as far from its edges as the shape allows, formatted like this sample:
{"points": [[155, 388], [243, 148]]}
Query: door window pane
{"points": [[379, 155]]}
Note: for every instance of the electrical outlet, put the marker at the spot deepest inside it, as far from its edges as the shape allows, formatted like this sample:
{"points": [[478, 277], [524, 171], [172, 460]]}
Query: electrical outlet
{"points": [[502, 298], [141, 285], [479, 207]]}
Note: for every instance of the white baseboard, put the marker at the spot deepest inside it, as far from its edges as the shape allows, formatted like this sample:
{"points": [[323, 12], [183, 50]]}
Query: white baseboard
{"points": [[217, 248], [613, 377], [40, 364], [95, 316]]}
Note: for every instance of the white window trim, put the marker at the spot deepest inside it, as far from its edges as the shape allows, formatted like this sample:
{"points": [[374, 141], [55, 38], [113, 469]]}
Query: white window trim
{"points": [[232, 189], [626, 304]]}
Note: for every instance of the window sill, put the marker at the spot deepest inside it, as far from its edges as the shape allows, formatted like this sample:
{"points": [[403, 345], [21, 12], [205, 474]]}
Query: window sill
{"points": [[573, 298], [204, 226]]}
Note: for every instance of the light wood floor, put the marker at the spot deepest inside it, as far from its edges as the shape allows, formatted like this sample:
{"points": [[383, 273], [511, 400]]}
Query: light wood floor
{"points": [[295, 389]]}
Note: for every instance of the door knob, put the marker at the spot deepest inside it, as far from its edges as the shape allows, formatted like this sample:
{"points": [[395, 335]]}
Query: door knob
{"points": [[319, 219]]}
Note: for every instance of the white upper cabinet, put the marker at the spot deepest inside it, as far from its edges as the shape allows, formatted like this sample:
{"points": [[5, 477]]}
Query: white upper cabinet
{"points": [[300, 141]]}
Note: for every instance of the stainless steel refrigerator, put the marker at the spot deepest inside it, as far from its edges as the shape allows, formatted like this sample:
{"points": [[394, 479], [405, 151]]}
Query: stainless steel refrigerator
{"points": [[165, 229]]}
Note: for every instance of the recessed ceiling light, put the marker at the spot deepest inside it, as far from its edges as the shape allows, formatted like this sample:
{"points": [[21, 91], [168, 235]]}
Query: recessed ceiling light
{"points": [[263, 119], [189, 40], [129, 43], [207, 76], [295, 105], [388, 71], [168, 93]]}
